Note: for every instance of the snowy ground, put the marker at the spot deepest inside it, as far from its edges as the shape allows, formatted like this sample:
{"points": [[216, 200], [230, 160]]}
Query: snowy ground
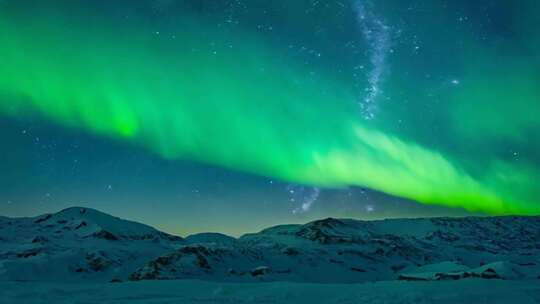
{"points": [[185, 292]]}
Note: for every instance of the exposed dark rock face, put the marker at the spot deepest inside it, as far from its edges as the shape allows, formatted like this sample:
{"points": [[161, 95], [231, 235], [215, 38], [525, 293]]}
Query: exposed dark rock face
{"points": [[98, 261], [357, 269], [39, 239], [260, 271], [290, 251], [186, 261], [43, 219], [336, 261], [490, 274], [326, 232], [408, 278], [444, 236], [82, 224], [29, 253], [106, 235]]}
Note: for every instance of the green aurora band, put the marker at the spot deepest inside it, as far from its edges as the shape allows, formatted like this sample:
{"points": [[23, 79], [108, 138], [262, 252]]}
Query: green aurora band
{"points": [[228, 98]]}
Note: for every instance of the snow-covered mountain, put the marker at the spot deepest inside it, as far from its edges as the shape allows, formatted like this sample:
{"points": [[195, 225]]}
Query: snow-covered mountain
{"points": [[77, 244], [345, 251], [85, 244]]}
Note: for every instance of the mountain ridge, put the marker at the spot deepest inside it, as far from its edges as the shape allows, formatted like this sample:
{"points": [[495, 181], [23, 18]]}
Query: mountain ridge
{"points": [[474, 217], [84, 244]]}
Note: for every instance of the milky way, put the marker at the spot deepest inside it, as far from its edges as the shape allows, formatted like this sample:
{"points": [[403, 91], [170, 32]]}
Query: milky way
{"points": [[377, 35]]}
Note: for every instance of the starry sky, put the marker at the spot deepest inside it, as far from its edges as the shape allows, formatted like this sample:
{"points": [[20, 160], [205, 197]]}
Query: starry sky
{"points": [[231, 116]]}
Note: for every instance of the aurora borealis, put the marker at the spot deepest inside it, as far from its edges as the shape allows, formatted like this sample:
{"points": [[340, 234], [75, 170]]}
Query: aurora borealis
{"points": [[277, 89]]}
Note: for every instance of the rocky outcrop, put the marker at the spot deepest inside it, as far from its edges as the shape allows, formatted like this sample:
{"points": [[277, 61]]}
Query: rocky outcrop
{"points": [[104, 234]]}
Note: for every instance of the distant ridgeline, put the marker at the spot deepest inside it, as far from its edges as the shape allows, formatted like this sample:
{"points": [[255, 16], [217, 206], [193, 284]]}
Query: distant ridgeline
{"points": [[81, 244]]}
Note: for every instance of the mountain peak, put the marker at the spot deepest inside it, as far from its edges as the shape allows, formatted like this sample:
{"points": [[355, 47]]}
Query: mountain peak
{"points": [[92, 222]]}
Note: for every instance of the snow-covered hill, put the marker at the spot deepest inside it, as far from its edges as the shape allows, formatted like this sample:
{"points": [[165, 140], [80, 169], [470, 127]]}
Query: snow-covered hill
{"points": [[77, 244], [85, 244], [345, 251]]}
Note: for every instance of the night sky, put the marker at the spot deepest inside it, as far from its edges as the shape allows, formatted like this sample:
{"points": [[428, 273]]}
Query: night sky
{"points": [[232, 116]]}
